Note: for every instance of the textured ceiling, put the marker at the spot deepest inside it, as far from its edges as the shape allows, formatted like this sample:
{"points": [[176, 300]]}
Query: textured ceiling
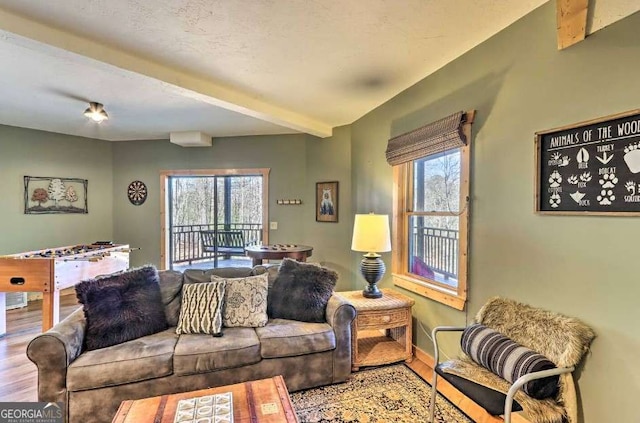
{"points": [[233, 67]]}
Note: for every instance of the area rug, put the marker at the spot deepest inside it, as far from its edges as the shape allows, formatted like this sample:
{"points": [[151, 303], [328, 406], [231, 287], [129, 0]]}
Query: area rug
{"points": [[382, 395]]}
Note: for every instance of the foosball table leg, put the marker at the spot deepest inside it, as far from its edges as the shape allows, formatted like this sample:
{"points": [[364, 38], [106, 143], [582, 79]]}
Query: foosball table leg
{"points": [[3, 313], [50, 309]]}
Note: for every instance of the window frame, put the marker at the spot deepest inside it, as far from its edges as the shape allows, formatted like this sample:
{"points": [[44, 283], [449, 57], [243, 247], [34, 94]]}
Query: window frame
{"points": [[402, 212]]}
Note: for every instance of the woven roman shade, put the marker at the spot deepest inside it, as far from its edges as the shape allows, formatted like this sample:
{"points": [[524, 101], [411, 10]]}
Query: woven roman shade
{"points": [[436, 137]]}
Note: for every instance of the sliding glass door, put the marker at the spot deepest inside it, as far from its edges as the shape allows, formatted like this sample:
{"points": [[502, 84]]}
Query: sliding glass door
{"points": [[212, 216]]}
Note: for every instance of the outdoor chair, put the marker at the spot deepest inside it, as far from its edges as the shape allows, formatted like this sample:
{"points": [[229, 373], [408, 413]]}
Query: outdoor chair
{"points": [[537, 350]]}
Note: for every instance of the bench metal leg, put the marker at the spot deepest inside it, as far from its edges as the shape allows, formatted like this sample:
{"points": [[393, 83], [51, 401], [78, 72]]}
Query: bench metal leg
{"points": [[436, 361], [434, 393]]}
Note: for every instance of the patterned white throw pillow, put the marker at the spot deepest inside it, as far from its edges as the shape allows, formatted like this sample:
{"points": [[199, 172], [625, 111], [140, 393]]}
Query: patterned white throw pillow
{"points": [[201, 309], [245, 301]]}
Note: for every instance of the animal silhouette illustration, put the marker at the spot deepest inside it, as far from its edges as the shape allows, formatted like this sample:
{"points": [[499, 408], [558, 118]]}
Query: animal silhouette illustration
{"points": [[326, 206]]}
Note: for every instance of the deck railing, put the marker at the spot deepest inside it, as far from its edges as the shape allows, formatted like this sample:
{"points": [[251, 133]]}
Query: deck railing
{"points": [[438, 248], [187, 246]]}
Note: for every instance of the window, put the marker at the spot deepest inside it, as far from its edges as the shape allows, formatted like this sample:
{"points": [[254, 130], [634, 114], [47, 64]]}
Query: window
{"points": [[431, 217]]}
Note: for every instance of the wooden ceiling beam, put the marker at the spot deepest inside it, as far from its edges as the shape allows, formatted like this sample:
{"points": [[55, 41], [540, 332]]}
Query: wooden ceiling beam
{"points": [[572, 21]]}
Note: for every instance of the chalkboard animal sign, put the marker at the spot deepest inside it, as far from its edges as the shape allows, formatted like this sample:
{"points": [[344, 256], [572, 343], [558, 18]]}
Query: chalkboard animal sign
{"points": [[591, 167], [632, 157]]}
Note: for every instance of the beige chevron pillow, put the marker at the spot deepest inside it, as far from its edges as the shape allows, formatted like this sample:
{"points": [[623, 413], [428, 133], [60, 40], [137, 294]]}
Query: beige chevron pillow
{"points": [[245, 301], [201, 310]]}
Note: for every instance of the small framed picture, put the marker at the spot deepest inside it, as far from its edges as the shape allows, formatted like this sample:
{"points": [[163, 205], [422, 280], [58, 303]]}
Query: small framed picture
{"points": [[327, 201]]}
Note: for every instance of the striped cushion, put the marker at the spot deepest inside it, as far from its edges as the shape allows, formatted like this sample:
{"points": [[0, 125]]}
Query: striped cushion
{"points": [[201, 309], [508, 359]]}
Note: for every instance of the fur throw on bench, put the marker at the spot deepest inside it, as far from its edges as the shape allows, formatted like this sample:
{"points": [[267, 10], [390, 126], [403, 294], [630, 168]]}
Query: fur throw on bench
{"points": [[563, 340]]}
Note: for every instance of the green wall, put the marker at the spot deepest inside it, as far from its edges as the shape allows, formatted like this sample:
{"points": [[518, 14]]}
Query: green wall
{"points": [[26, 152], [296, 163], [519, 83], [329, 159]]}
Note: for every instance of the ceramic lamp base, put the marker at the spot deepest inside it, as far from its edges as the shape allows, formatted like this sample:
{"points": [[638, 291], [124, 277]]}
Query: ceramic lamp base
{"points": [[372, 268]]}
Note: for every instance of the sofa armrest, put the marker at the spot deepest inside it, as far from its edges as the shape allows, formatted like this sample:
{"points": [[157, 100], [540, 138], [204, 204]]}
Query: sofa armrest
{"points": [[340, 315], [339, 312], [53, 351]]}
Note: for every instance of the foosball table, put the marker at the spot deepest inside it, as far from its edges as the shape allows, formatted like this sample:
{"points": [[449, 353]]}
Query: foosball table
{"points": [[52, 270]]}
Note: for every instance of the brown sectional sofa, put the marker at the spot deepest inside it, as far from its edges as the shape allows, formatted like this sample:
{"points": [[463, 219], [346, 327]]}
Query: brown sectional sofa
{"points": [[93, 383]]}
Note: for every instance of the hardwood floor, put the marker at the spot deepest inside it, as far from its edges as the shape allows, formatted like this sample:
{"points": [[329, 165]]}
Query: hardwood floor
{"points": [[17, 373], [19, 378]]}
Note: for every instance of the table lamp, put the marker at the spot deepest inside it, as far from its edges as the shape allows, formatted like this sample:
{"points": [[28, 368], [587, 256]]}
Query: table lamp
{"points": [[371, 235]]}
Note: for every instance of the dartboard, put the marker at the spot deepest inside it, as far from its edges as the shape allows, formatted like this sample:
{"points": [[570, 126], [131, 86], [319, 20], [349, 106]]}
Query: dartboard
{"points": [[137, 193]]}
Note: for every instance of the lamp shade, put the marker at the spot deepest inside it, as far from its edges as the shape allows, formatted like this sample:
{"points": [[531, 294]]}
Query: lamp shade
{"points": [[371, 233]]}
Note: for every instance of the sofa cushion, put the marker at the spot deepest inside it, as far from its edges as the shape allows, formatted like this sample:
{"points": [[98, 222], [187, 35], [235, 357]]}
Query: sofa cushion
{"points": [[508, 359], [270, 269], [198, 275], [301, 291], [171, 291], [143, 358], [121, 307], [205, 353], [489, 399], [245, 301], [287, 338], [201, 310]]}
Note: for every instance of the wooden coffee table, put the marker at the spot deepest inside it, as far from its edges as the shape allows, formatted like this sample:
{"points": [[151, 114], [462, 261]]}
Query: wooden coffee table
{"points": [[258, 401]]}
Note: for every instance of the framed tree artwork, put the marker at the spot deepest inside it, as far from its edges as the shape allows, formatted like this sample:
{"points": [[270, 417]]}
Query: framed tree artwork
{"points": [[327, 201], [48, 195]]}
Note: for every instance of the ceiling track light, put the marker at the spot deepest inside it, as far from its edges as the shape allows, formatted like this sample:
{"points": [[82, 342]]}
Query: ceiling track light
{"points": [[96, 112]]}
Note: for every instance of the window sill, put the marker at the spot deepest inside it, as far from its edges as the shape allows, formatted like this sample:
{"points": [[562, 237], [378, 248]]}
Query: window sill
{"points": [[449, 298]]}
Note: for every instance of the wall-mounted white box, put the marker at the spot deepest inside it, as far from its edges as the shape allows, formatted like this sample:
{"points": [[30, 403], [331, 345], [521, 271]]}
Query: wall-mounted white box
{"points": [[190, 139]]}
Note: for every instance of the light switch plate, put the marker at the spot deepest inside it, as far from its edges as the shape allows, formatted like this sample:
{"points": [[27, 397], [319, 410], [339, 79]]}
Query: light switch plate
{"points": [[273, 225]]}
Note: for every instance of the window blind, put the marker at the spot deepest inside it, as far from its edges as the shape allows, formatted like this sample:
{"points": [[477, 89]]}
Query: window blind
{"points": [[436, 137]]}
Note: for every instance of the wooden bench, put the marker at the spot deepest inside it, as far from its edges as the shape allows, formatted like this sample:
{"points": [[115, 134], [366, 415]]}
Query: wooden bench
{"points": [[223, 242]]}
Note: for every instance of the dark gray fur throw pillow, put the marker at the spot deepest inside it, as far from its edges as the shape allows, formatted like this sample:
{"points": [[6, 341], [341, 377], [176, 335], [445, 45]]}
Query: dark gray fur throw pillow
{"points": [[121, 307], [301, 292]]}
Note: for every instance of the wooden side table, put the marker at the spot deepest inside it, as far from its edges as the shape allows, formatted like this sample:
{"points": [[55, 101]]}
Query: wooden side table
{"points": [[391, 313]]}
